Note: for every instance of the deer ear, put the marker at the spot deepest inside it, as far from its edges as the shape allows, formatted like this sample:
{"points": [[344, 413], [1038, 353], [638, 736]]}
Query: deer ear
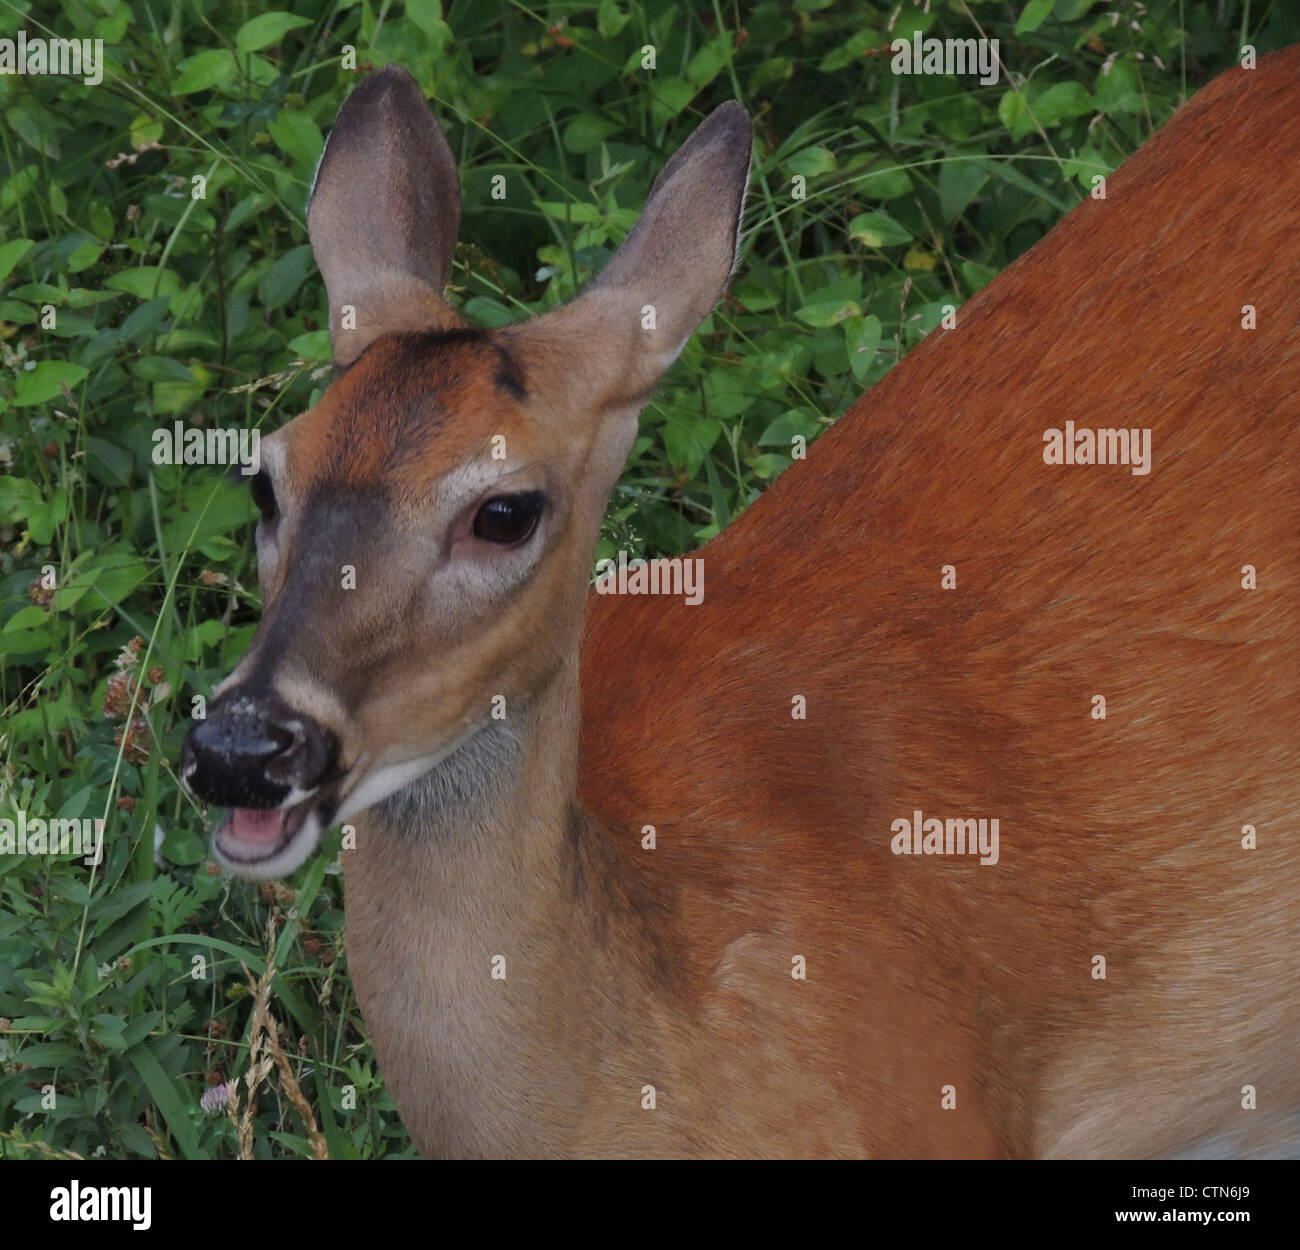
{"points": [[383, 215], [632, 322]]}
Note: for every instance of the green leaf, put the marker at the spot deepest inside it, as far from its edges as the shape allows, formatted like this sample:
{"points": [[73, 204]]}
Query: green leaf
{"points": [[16, 311], [168, 1101], [1011, 108], [774, 69], [883, 179], [117, 580], [25, 618], [11, 253], [315, 344], [184, 846], [1060, 101], [851, 52], [140, 1028], [107, 462], [35, 127], [610, 19], [280, 283], [1119, 90], [571, 211], [46, 382], [1035, 13], [707, 63], [828, 314], [18, 497], [768, 465], [878, 229], [585, 132], [295, 133], [267, 29], [17, 185], [813, 161], [109, 907], [247, 208], [782, 431], [959, 183], [669, 98], [206, 70], [1006, 171], [240, 954], [161, 369], [84, 256], [1087, 164], [687, 440], [145, 129], [145, 318], [74, 808], [145, 281], [100, 584], [26, 642], [43, 520], [107, 1030], [49, 1055], [726, 393], [483, 310], [426, 16], [861, 338], [977, 276]]}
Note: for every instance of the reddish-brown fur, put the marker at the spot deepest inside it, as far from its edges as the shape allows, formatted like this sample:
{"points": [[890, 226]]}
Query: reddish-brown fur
{"points": [[1120, 837]]}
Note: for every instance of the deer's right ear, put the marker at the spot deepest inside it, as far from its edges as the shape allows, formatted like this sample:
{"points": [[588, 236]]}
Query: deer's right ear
{"points": [[383, 215], [629, 325]]}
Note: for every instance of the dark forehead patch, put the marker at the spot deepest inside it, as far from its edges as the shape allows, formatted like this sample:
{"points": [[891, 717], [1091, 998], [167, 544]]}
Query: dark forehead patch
{"points": [[509, 377], [402, 394]]}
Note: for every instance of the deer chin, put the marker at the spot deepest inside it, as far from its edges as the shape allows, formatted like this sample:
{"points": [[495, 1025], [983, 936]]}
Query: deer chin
{"points": [[381, 783], [264, 845]]}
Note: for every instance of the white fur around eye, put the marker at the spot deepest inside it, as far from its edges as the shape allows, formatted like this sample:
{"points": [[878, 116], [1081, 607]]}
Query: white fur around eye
{"points": [[477, 570], [483, 570]]}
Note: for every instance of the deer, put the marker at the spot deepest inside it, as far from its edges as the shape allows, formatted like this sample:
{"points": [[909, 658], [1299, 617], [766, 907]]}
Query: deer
{"points": [[627, 876]]}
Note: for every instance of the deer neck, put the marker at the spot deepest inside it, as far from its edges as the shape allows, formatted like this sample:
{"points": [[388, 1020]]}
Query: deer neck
{"points": [[468, 938]]}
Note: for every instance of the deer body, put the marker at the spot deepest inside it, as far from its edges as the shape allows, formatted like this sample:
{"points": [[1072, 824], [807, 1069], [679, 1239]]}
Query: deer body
{"points": [[949, 1007]]}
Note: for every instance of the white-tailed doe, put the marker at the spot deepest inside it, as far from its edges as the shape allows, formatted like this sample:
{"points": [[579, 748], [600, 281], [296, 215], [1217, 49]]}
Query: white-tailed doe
{"points": [[843, 859]]}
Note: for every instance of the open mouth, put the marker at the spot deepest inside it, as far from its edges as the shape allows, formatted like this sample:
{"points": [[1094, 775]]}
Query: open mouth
{"points": [[263, 844], [253, 842]]}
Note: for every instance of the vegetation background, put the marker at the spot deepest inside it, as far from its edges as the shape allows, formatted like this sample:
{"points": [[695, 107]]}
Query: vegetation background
{"points": [[129, 992]]}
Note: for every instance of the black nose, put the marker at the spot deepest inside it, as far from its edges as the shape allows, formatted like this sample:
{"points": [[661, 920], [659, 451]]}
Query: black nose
{"points": [[254, 752]]}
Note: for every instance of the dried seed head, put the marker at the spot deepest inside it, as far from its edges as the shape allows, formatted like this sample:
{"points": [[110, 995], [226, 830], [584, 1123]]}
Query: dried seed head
{"points": [[117, 696]]}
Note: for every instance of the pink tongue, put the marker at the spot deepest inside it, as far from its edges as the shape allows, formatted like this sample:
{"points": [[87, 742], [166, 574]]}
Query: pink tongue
{"points": [[256, 826]]}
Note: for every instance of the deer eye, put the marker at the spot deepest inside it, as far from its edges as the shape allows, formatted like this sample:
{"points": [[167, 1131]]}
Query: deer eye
{"points": [[263, 494], [509, 519]]}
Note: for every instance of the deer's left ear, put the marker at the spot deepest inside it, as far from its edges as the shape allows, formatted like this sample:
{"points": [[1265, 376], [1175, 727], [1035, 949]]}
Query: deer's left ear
{"points": [[632, 322], [383, 215]]}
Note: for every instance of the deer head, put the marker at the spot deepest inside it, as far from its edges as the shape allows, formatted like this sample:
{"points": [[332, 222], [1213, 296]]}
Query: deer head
{"points": [[427, 529]]}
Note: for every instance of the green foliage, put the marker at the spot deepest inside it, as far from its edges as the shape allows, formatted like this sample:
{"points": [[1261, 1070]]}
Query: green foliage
{"points": [[155, 269]]}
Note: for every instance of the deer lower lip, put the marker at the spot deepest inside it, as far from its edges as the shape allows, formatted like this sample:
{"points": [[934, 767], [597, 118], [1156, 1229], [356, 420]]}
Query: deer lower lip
{"points": [[248, 835]]}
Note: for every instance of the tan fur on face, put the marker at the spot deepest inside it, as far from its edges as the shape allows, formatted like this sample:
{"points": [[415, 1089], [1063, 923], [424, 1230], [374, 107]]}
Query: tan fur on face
{"points": [[405, 438]]}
